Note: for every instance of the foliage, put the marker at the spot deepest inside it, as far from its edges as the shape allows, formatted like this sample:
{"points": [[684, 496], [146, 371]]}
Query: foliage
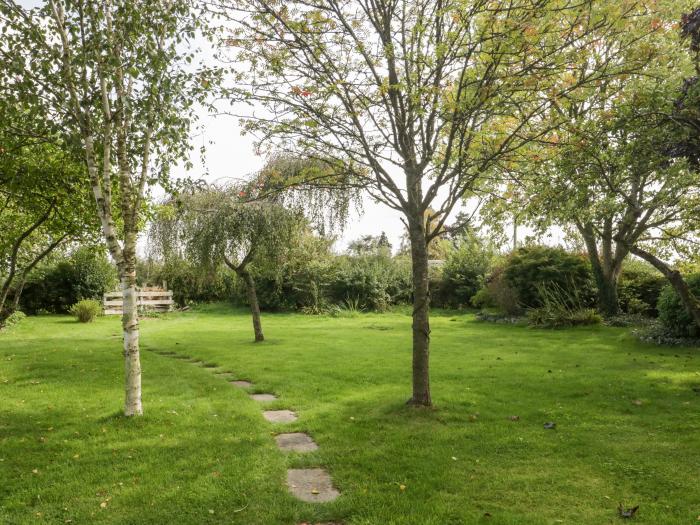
{"points": [[316, 285], [529, 269], [464, 272], [374, 282], [497, 293], [371, 245], [86, 311], [86, 273], [608, 174], [188, 281], [673, 314], [42, 208], [639, 288], [557, 309], [13, 319]]}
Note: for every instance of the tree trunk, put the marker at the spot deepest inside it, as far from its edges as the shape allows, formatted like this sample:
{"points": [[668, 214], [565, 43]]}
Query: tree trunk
{"points": [[674, 277], [421, 315], [605, 272], [18, 293], [254, 306], [132, 359], [606, 284]]}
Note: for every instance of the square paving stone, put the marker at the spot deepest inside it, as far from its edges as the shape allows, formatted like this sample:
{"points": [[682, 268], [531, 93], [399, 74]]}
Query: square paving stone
{"points": [[263, 397], [242, 384], [296, 442], [279, 416], [312, 485]]}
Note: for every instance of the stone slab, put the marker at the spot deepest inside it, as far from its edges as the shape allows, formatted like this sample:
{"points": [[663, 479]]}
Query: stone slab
{"points": [[312, 485], [296, 442], [242, 384], [279, 416], [263, 397]]}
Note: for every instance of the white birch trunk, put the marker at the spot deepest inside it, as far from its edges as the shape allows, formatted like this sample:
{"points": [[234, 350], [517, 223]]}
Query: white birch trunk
{"points": [[132, 360]]}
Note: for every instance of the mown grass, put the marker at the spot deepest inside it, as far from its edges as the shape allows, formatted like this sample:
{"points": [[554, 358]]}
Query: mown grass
{"points": [[203, 454]]}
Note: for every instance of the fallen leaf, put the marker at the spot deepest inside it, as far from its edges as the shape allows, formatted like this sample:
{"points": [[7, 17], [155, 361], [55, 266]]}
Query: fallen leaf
{"points": [[550, 425], [514, 418], [402, 487], [314, 491], [103, 505], [35, 471], [637, 402]]}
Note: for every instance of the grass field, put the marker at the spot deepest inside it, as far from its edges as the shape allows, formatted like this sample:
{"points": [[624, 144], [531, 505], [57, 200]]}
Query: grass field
{"points": [[627, 423]]}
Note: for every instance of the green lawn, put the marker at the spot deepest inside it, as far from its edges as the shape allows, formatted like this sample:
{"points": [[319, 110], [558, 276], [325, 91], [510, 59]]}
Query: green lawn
{"points": [[203, 454]]}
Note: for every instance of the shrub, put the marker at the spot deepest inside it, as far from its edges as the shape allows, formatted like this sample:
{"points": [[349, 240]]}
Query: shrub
{"points": [[189, 282], [497, 293], [86, 310], [530, 270], [639, 288], [374, 282], [673, 315], [86, 274], [13, 319], [463, 272], [558, 309]]}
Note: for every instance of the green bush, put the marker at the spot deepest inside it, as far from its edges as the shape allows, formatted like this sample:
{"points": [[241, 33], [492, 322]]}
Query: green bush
{"points": [[13, 319], [497, 293], [374, 282], [86, 274], [673, 314], [530, 270], [639, 288], [188, 282], [86, 310], [463, 272], [558, 310]]}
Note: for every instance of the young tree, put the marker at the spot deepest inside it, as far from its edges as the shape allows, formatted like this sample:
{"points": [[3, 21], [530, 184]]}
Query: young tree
{"points": [[112, 74], [426, 96], [41, 207], [218, 226]]}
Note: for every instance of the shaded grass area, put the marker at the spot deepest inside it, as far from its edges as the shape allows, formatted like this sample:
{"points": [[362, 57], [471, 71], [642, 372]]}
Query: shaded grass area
{"points": [[626, 413]]}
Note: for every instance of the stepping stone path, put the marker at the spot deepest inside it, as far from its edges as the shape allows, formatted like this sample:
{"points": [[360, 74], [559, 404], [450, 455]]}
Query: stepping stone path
{"points": [[312, 485], [263, 397], [296, 442], [279, 416]]}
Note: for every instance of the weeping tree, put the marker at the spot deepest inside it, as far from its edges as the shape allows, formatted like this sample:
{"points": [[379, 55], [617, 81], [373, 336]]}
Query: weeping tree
{"points": [[223, 225], [113, 76], [424, 95]]}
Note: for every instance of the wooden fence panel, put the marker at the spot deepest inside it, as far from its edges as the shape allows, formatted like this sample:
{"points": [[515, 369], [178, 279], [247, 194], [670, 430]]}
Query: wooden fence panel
{"points": [[152, 298]]}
